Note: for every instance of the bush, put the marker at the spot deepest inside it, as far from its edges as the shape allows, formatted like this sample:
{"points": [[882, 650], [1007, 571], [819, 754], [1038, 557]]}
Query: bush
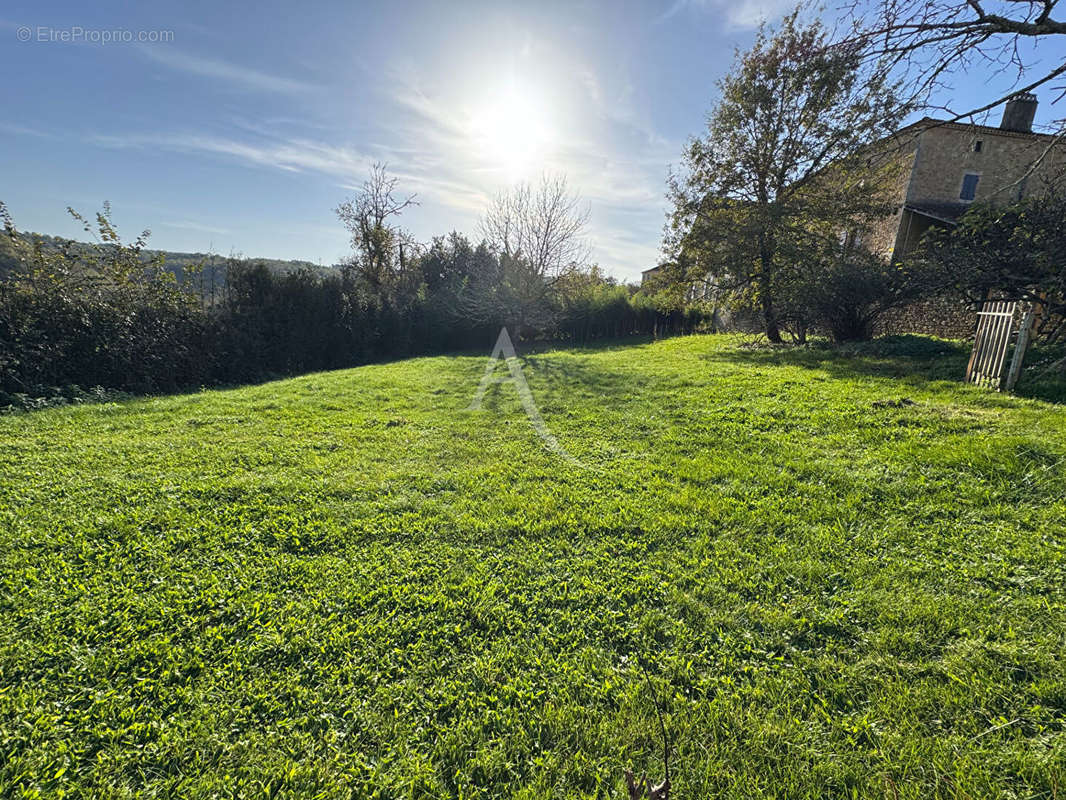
{"points": [[105, 318], [843, 292], [852, 293], [1013, 250], [109, 315]]}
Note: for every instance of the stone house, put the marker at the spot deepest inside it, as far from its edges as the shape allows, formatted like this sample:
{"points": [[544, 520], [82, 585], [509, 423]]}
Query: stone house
{"points": [[944, 167], [648, 275], [947, 166]]}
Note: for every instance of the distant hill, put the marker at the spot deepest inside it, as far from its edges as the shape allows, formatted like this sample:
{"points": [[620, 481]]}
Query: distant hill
{"points": [[214, 265]]}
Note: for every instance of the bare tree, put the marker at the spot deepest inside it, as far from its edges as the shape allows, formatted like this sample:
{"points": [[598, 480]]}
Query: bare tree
{"points": [[542, 226], [537, 234], [931, 40], [377, 244]]}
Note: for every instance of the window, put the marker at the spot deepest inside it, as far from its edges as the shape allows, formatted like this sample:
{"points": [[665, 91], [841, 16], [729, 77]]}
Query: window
{"points": [[969, 186], [977, 146]]}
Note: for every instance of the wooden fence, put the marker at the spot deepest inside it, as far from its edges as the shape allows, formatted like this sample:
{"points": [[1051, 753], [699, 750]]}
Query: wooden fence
{"points": [[995, 334]]}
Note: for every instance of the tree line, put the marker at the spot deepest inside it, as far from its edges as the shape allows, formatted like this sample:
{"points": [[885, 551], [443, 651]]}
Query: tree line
{"points": [[114, 315]]}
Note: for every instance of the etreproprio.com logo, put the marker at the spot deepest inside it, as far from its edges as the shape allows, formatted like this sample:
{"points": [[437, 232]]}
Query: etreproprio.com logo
{"points": [[76, 34]]}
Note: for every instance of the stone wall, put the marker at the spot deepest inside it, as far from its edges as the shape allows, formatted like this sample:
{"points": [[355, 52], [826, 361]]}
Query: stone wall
{"points": [[944, 317], [947, 319], [726, 320]]}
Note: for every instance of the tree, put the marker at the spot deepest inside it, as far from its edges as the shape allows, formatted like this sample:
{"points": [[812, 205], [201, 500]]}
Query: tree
{"points": [[449, 262], [103, 314], [1015, 251], [537, 234], [377, 244], [927, 41], [542, 226], [847, 288], [784, 168], [448, 267]]}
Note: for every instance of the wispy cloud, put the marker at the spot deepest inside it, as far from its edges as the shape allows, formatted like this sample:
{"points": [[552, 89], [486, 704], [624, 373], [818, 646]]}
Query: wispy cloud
{"points": [[23, 130], [295, 155], [218, 70], [188, 225], [742, 14]]}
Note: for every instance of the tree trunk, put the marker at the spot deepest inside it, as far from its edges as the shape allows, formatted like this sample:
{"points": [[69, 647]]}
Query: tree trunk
{"points": [[773, 330]]}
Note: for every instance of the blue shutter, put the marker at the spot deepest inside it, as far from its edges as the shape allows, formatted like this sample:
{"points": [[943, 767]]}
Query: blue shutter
{"points": [[969, 186]]}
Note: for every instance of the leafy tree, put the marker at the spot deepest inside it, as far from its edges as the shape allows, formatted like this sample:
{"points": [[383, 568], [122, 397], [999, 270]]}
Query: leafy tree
{"points": [[378, 244], [1015, 251], [450, 262], [782, 170], [447, 268]]}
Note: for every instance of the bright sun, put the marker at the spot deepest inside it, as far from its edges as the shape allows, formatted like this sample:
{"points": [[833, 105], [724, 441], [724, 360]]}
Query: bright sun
{"points": [[512, 131]]}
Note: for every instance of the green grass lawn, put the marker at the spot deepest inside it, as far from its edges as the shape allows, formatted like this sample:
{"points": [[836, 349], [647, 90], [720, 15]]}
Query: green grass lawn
{"points": [[348, 584]]}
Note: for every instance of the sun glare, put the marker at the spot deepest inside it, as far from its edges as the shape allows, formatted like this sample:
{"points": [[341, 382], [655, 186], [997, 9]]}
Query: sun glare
{"points": [[512, 131]]}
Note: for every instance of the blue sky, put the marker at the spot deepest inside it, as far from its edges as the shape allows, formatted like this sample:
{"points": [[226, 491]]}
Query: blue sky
{"points": [[253, 121]]}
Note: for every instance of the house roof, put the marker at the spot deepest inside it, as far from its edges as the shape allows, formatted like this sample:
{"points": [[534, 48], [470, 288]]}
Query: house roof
{"points": [[941, 212], [991, 130]]}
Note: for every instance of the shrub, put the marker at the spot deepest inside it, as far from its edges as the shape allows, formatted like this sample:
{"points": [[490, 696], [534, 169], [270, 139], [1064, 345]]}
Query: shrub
{"points": [[111, 315], [98, 316], [849, 293]]}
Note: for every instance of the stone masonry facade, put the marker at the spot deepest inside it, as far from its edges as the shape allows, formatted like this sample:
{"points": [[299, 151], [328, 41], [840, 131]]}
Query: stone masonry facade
{"points": [[944, 167]]}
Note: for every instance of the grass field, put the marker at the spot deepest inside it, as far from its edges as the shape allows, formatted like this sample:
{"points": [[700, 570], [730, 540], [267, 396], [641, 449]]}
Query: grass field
{"points": [[348, 584]]}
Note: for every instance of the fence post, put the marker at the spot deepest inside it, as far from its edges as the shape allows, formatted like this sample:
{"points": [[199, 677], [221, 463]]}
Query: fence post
{"points": [[1020, 346]]}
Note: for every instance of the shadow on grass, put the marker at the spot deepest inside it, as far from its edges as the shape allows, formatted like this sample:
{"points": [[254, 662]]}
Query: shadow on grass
{"points": [[549, 367], [555, 380], [1044, 376], [911, 359], [50, 397]]}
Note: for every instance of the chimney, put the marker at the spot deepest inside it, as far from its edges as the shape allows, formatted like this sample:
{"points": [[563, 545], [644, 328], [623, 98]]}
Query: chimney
{"points": [[1018, 113]]}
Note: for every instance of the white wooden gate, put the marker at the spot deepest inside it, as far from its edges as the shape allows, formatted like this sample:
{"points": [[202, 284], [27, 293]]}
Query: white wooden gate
{"points": [[995, 334]]}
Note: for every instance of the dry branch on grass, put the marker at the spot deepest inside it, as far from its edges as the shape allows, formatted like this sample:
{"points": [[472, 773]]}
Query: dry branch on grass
{"points": [[643, 788]]}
